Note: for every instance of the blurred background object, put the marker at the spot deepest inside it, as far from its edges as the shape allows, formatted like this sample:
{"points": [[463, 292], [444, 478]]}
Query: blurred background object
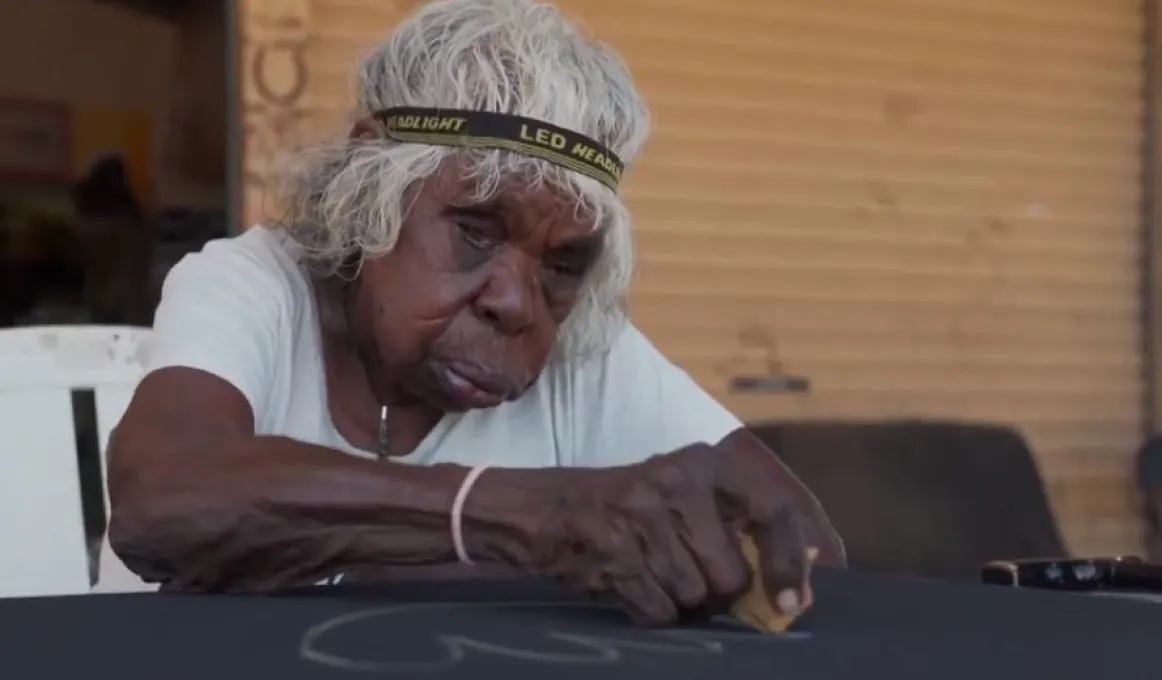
{"points": [[97, 154]]}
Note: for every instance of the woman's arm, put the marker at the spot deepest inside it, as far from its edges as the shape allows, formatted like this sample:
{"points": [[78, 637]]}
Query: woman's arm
{"points": [[200, 503]]}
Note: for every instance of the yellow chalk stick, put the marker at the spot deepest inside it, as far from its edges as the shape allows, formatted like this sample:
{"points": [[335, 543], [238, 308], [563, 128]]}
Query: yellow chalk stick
{"points": [[756, 608]]}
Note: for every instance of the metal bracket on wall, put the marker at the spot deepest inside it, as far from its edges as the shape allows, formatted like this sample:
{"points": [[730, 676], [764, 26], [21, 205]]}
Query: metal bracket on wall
{"points": [[770, 383]]}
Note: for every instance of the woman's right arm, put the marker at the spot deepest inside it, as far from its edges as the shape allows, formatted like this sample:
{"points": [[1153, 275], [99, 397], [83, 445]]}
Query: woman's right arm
{"points": [[201, 503]]}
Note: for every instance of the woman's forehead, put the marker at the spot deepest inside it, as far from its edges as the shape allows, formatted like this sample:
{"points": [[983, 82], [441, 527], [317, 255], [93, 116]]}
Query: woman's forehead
{"points": [[522, 204]]}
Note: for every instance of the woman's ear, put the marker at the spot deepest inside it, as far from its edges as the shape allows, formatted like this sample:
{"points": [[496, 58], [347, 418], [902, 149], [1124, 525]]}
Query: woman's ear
{"points": [[368, 129]]}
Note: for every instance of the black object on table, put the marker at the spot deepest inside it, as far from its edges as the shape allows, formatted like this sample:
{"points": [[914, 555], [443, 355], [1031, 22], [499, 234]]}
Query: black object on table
{"points": [[863, 626], [1128, 573]]}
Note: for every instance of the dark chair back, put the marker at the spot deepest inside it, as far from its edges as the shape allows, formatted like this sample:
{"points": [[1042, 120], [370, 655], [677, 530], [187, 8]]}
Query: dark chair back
{"points": [[932, 499], [1150, 484]]}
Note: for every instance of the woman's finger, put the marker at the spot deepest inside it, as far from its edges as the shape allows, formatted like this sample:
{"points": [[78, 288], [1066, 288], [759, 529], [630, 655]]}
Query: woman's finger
{"points": [[784, 560], [644, 600], [670, 561], [713, 544]]}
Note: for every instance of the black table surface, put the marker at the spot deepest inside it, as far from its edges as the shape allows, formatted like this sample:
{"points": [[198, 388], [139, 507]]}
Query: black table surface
{"points": [[863, 626]]}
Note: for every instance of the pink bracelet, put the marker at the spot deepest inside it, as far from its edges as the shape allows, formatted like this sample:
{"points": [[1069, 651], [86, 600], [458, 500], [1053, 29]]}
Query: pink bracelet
{"points": [[458, 512]]}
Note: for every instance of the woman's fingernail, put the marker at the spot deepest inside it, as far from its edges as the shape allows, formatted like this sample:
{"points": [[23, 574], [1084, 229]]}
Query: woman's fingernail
{"points": [[788, 602]]}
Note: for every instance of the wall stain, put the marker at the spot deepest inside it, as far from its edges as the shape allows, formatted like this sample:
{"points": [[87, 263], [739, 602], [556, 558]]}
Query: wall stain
{"points": [[883, 197], [902, 108], [753, 338]]}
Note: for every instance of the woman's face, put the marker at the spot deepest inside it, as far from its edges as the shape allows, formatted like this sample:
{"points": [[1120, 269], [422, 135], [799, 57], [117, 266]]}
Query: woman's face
{"points": [[464, 311]]}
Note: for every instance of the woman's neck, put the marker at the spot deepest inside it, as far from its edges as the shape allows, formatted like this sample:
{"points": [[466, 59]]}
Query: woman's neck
{"points": [[354, 398]]}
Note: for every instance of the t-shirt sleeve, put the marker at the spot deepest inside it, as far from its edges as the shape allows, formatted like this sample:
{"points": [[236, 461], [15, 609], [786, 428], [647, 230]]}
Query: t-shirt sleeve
{"points": [[633, 403], [220, 312]]}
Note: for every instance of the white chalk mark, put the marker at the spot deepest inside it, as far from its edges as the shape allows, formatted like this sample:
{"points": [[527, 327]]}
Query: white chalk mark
{"points": [[593, 649]]}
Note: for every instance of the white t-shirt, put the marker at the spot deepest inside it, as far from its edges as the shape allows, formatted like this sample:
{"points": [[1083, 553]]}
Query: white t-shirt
{"points": [[242, 309]]}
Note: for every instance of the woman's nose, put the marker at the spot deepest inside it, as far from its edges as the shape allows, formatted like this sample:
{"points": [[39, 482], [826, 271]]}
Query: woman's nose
{"points": [[508, 301]]}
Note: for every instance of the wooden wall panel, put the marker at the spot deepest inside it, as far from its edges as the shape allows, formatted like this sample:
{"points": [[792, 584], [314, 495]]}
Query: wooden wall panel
{"points": [[927, 207], [276, 80]]}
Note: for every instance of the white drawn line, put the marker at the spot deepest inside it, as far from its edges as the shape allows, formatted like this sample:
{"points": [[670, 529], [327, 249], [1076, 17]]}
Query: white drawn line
{"points": [[601, 649]]}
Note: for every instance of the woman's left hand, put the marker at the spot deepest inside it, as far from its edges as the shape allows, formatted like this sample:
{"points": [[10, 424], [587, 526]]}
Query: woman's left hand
{"points": [[745, 454], [665, 534]]}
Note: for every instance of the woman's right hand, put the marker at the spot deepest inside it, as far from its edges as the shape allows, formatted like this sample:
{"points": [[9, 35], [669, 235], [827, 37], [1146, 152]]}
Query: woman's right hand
{"points": [[664, 534]]}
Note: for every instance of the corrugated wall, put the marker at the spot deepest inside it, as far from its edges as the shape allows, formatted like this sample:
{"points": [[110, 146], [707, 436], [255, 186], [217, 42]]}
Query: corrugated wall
{"points": [[926, 207]]}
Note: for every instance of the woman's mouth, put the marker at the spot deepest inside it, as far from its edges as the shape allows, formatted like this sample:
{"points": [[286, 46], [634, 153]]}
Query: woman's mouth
{"points": [[470, 386]]}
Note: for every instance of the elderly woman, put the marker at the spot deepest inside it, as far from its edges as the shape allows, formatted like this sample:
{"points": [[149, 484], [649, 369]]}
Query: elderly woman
{"points": [[428, 359]]}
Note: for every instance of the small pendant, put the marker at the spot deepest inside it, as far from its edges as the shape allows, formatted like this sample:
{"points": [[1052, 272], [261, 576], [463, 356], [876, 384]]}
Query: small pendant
{"points": [[381, 444]]}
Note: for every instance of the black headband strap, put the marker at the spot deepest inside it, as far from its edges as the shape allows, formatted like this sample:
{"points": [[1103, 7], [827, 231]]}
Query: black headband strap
{"points": [[482, 129]]}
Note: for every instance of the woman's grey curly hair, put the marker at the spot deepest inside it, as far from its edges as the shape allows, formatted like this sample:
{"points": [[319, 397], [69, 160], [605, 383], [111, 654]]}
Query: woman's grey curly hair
{"points": [[346, 200]]}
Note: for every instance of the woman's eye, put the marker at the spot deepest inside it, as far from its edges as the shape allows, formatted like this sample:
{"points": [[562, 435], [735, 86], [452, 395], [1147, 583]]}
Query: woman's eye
{"points": [[566, 269], [474, 235], [562, 281]]}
